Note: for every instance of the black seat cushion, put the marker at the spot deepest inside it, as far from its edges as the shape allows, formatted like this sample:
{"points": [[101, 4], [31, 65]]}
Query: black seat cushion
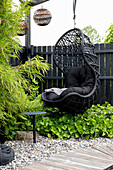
{"points": [[75, 77], [89, 77], [51, 96], [79, 80], [81, 90]]}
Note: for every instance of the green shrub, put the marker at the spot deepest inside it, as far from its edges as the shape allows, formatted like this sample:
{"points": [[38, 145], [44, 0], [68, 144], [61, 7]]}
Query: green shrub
{"points": [[95, 122], [14, 81]]}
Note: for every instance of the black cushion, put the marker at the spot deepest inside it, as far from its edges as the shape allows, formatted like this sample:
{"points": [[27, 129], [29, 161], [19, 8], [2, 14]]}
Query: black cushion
{"points": [[51, 95], [79, 80], [81, 90], [89, 77], [75, 77]]}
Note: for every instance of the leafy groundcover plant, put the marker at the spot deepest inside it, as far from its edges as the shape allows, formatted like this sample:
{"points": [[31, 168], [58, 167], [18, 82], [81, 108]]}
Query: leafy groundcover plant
{"points": [[95, 122]]}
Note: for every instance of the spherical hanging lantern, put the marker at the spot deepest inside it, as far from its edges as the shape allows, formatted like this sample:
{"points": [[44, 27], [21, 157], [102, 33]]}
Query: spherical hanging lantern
{"points": [[24, 28], [42, 17]]}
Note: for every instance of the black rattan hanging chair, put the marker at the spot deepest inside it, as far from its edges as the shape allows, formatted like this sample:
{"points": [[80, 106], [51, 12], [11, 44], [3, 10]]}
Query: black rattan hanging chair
{"points": [[75, 58], [74, 55]]}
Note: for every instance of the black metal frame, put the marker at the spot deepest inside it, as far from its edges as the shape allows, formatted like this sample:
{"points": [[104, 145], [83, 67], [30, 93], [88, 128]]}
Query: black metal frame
{"points": [[35, 2], [74, 49]]}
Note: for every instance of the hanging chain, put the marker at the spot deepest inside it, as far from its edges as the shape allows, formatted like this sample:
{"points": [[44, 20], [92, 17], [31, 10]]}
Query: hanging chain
{"points": [[74, 16]]}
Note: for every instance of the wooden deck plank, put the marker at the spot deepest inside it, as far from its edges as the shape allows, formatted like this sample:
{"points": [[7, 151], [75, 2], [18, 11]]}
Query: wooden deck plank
{"points": [[84, 160], [101, 149], [92, 152], [92, 158], [107, 149], [48, 166], [69, 165], [86, 156], [42, 166]]}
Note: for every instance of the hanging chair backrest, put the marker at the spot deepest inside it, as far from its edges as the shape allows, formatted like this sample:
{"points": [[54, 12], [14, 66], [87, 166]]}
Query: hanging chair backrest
{"points": [[74, 49]]}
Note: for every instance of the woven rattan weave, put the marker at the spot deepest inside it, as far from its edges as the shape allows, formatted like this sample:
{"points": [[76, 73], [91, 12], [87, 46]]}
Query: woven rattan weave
{"points": [[74, 49]]}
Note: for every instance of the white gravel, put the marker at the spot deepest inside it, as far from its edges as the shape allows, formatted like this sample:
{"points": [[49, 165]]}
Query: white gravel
{"points": [[27, 153]]}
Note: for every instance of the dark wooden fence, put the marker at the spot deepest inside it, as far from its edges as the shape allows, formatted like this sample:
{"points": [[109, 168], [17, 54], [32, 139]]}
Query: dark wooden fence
{"points": [[105, 61], [54, 77]]}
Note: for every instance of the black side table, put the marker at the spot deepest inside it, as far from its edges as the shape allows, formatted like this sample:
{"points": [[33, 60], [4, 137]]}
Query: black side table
{"points": [[33, 114]]}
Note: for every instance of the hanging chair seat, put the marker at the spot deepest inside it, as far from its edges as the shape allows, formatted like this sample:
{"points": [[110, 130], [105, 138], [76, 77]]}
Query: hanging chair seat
{"points": [[75, 58]]}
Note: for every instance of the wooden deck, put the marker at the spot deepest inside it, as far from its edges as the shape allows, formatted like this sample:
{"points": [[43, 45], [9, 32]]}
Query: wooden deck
{"points": [[92, 158]]}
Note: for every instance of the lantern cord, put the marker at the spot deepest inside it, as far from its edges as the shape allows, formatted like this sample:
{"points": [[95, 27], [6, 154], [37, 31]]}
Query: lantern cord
{"points": [[74, 8]]}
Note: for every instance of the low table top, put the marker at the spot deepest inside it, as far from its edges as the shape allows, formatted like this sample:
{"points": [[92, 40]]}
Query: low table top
{"points": [[33, 113]]}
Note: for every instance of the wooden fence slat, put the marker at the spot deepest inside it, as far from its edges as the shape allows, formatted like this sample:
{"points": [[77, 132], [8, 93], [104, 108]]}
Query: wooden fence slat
{"points": [[111, 75], [50, 72], [59, 81], [43, 49], [55, 73], [102, 82], [37, 51], [108, 74], [97, 47]]}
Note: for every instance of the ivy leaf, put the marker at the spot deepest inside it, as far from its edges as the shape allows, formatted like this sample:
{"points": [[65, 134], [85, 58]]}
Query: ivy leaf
{"points": [[49, 135]]}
